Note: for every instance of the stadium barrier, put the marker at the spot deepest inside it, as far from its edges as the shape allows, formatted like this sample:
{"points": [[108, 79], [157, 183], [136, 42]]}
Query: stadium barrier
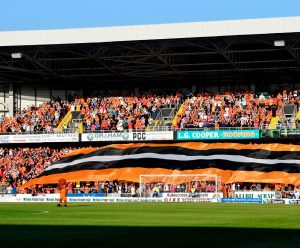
{"points": [[161, 134], [24, 138], [95, 198], [98, 198]]}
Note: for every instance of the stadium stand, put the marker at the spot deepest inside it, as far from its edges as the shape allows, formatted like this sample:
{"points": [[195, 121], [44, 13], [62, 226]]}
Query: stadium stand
{"points": [[206, 59], [203, 110], [44, 118], [123, 113], [237, 109]]}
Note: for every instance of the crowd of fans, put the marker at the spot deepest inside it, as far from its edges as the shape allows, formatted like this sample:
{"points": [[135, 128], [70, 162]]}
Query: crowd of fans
{"points": [[44, 118], [123, 112], [192, 187], [113, 188], [128, 111], [233, 109], [19, 165], [228, 190]]}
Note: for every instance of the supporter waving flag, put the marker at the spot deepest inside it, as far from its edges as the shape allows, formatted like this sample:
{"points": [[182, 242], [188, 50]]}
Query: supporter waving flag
{"points": [[264, 163]]}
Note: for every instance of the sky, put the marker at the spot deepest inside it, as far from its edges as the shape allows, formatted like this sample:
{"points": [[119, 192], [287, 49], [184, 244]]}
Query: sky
{"points": [[59, 14]]}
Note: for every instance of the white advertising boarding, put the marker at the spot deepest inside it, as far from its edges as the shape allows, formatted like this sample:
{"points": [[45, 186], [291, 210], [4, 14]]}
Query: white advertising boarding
{"points": [[39, 138], [127, 136]]}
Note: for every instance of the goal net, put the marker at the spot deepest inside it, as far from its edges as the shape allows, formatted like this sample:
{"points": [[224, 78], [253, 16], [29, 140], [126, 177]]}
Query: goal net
{"points": [[180, 185]]}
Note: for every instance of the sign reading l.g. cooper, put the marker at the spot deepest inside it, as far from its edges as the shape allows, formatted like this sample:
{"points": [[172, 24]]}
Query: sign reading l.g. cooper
{"points": [[217, 134]]}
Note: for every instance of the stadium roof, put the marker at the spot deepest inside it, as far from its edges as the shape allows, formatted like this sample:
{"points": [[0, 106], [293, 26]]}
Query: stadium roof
{"points": [[151, 32], [222, 51]]}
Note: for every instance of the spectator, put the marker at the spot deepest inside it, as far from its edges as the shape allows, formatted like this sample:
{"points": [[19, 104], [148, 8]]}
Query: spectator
{"points": [[9, 189]]}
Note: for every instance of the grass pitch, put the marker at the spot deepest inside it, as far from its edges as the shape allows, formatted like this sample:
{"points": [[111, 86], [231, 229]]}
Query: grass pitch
{"points": [[149, 225]]}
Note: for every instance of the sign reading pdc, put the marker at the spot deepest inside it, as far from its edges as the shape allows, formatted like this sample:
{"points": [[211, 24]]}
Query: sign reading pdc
{"points": [[127, 136], [139, 136]]}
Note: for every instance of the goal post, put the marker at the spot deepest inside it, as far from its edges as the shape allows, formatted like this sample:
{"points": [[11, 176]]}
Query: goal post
{"points": [[191, 185]]}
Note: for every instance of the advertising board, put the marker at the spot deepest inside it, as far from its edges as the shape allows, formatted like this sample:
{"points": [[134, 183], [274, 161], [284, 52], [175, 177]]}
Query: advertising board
{"points": [[255, 194], [39, 138], [209, 195], [217, 134], [242, 200], [128, 136]]}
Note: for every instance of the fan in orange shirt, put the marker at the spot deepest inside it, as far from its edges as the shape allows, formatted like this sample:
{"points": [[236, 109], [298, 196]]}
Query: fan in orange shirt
{"points": [[62, 186]]}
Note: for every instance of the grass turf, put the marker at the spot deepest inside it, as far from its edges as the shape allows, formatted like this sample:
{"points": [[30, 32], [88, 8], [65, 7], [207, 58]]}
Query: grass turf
{"points": [[149, 225]]}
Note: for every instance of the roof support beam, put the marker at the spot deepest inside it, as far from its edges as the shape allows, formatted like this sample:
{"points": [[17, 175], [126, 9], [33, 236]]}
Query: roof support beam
{"points": [[157, 54], [294, 53], [108, 68], [41, 65], [230, 57]]}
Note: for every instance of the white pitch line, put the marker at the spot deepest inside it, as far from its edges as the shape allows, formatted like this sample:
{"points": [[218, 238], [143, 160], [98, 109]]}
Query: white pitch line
{"points": [[42, 212], [26, 213]]}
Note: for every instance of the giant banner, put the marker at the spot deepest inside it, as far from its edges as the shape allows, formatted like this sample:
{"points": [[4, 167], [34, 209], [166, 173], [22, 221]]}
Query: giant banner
{"points": [[217, 134], [39, 138], [232, 162], [128, 136]]}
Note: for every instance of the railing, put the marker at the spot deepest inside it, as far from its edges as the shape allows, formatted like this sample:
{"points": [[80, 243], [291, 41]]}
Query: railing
{"points": [[65, 121], [158, 115], [3, 189], [280, 127], [80, 128], [214, 129], [156, 129], [288, 118], [153, 129]]}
